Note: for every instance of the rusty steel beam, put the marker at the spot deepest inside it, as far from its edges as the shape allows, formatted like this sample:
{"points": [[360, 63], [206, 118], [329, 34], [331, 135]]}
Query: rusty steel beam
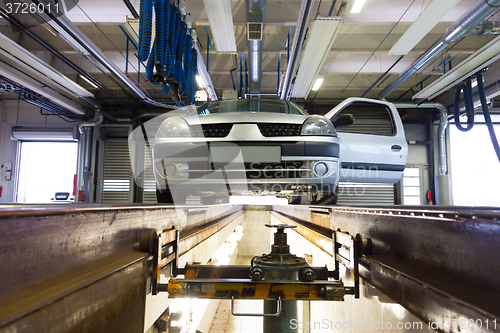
{"points": [[440, 263], [191, 237], [76, 267]]}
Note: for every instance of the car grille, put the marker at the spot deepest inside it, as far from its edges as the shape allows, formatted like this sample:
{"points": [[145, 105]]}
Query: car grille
{"points": [[281, 170], [271, 129], [211, 130]]}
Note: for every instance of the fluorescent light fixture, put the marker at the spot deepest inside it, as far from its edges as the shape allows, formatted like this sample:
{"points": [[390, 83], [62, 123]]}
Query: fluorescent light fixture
{"points": [[204, 76], [88, 81], [24, 61], [320, 39], [318, 83], [220, 18], [200, 81], [431, 16], [26, 134], [358, 4], [476, 61]]}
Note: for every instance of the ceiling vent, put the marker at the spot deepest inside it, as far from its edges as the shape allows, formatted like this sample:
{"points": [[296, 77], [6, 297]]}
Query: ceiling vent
{"points": [[254, 30]]}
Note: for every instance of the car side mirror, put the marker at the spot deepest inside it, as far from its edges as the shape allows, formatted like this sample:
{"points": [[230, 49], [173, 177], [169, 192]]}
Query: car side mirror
{"points": [[344, 120]]}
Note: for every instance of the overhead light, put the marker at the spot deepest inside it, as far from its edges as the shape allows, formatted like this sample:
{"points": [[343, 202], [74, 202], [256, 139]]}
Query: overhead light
{"points": [[204, 76], [358, 4], [431, 16], [475, 62], [30, 134], [88, 81], [220, 18], [318, 83], [23, 60], [200, 81], [320, 39]]}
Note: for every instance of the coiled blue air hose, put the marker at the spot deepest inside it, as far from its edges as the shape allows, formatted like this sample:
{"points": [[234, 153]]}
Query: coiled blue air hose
{"points": [[151, 65], [145, 28], [186, 65], [178, 70], [159, 44], [173, 30]]}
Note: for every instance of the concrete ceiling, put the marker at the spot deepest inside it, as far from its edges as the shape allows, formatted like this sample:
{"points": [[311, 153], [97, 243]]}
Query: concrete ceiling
{"points": [[357, 59]]}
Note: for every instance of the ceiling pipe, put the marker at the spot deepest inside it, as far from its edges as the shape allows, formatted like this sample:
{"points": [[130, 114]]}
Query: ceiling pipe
{"points": [[443, 196], [298, 40], [255, 14], [83, 160], [88, 45], [484, 28], [480, 11]]}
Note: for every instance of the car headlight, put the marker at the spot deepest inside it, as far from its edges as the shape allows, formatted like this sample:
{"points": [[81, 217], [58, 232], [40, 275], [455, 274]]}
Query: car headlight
{"points": [[173, 127], [318, 125]]}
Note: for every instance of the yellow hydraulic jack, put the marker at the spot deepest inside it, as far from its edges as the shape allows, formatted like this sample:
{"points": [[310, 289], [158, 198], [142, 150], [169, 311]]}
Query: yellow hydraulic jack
{"points": [[279, 278]]}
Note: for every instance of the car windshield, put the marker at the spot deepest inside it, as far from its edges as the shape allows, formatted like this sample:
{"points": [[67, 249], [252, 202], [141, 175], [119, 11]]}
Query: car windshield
{"points": [[247, 105]]}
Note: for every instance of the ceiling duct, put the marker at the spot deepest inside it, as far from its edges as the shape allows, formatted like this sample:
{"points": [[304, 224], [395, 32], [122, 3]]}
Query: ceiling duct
{"points": [[255, 19], [479, 12]]}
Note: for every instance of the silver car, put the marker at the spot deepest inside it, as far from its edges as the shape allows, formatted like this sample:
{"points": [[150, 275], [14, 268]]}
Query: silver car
{"points": [[264, 147]]}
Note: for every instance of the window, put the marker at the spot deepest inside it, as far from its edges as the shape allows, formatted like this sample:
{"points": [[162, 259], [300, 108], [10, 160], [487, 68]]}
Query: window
{"points": [[370, 118], [474, 167], [46, 168], [411, 186]]}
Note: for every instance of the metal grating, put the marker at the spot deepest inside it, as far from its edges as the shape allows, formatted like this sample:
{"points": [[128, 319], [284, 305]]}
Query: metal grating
{"points": [[211, 130], [271, 129], [254, 30], [116, 180], [365, 194]]}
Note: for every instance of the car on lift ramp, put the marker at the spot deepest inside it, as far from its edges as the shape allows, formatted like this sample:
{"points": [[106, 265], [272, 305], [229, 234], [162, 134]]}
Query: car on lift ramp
{"points": [[273, 147]]}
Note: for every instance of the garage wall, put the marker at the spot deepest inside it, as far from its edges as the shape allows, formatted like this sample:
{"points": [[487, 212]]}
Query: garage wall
{"points": [[19, 113]]}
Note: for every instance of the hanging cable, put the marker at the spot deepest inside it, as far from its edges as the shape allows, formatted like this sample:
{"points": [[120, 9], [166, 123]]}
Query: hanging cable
{"points": [[466, 88], [487, 116]]}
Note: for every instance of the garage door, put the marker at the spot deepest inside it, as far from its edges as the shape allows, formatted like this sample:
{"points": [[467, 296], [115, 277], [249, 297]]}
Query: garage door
{"points": [[117, 180], [149, 193]]}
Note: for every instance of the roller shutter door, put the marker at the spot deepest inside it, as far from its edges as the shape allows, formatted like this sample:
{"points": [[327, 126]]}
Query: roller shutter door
{"points": [[117, 179], [149, 194]]}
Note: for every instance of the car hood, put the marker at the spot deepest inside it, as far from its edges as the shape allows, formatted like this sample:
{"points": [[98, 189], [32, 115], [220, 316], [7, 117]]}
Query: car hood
{"points": [[245, 117]]}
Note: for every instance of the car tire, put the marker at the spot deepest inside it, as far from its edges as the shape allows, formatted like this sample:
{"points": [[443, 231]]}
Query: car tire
{"points": [[325, 198]]}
